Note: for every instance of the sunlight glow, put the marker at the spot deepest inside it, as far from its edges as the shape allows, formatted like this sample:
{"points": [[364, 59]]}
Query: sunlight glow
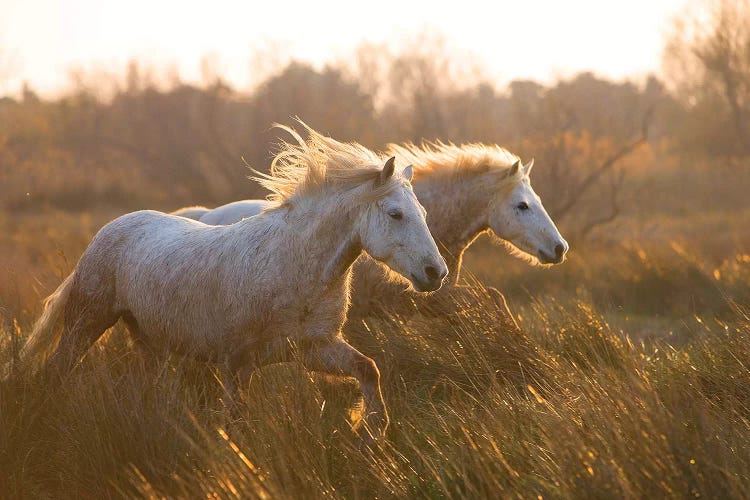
{"points": [[42, 40]]}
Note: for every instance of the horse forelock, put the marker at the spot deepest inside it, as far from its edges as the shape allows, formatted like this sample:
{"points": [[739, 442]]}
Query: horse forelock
{"points": [[306, 167]]}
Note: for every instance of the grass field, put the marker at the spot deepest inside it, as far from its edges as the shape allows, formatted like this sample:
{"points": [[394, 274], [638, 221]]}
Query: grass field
{"points": [[629, 378]]}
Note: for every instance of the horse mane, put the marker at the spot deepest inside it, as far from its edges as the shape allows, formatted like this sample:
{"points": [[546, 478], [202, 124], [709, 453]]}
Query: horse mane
{"points": [[306, 167], [439, 158]]}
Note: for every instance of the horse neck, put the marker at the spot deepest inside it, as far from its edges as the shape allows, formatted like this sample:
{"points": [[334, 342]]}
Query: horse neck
{"points": [[326, 228], [457, 209]]}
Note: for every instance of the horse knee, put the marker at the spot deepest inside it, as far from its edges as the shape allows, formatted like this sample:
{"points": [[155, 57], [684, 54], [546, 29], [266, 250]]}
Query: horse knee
{"points": [[368, 371]]}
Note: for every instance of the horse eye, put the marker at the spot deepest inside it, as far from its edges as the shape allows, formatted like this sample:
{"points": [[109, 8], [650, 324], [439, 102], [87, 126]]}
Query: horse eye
{"points": [[396, 214], [523, 206]]}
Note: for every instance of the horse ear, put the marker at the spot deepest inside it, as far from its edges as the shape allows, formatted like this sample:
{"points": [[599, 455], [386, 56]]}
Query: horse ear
{"points": [[409, 172], [527, 168], [388, 169], [514, 168]]}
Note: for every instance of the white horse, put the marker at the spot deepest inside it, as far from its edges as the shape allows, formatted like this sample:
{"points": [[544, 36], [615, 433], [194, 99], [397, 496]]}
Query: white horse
{"points": [[225, 214], [194, 212], [233, 212], [467, 190], [243, 295]]}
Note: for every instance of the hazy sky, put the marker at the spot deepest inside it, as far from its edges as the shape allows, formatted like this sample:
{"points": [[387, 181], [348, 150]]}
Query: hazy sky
{"points": [[44, 39]]}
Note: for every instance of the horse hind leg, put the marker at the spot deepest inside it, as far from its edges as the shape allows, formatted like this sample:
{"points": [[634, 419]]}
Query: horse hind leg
{"points": [[149, 356], [237, 369], [87, 317]]}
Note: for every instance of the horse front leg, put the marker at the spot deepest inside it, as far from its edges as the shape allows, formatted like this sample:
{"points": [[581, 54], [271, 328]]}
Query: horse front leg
{"points": [[231, 379], [236, 370], [336, 357]]}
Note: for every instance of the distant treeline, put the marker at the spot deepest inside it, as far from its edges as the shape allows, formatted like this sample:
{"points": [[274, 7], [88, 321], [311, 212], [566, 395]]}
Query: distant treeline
{"points": [[151, 145]]}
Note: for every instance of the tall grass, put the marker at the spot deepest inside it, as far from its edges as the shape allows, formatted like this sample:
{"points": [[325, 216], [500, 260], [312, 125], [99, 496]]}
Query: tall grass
{"points": [[567, 407], [628, 377]]}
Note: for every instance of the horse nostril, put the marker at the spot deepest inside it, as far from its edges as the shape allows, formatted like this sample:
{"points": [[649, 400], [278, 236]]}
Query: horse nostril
{"points": [[431, 273], [559, 250]]}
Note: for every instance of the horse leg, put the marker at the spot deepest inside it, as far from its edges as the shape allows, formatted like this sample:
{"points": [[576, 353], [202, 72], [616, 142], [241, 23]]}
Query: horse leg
{"points": [[502, 306], [336, 357], [232, 380], [239, 367], [86, 319], [148, 356], [76, 340]]}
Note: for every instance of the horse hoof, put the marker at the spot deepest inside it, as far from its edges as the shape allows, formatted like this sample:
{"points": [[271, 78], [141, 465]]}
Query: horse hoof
{"points": [[367, 443], [371, 431]]}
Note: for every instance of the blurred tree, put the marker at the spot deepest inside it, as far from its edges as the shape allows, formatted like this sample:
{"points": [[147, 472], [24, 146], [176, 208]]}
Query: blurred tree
{"points": [[582, 132], [9, 65], [707, 64], [419, 90], [160, 143], [326, 100]]}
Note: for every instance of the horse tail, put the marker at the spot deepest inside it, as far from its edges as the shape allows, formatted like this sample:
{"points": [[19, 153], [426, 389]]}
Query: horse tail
{"points": [[47, 329]]}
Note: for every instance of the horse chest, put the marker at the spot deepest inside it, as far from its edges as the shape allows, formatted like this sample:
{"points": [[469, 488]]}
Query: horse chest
{"points": [[311, 316]]}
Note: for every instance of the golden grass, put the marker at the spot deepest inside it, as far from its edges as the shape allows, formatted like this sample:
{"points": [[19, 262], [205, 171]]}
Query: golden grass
{"points": [[567, 408], [581, 403]]}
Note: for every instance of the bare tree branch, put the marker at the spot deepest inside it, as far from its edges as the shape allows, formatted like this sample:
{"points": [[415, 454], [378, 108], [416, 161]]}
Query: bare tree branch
{"points": [[607, 165], [709, 58], [614, 211]]}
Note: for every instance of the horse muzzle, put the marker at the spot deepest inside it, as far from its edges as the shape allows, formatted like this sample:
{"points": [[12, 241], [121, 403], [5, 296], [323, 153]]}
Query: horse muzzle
{"points": [[431, 278], [559, 254]]}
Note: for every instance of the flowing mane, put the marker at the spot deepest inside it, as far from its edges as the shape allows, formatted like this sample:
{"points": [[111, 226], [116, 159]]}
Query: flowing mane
{"points": [[466, 190], [439, 158], [307, 167]]}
